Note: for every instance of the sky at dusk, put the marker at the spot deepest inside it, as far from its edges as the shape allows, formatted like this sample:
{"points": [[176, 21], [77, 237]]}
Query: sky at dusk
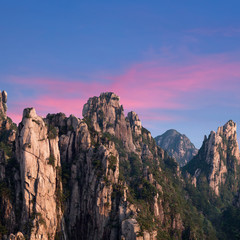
{"points": [[175, 63]]}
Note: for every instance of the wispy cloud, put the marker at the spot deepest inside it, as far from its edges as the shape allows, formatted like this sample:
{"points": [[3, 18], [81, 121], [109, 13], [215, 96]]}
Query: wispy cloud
{"points": [[150, 85], [227, 31]]}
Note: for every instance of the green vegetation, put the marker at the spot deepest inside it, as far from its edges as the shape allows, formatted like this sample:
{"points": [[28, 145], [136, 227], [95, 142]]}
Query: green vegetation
{"points": [[52, 132], [62, 191], [112, 162], [3, 231], [218, 210], [51, 160], [230, 222]]}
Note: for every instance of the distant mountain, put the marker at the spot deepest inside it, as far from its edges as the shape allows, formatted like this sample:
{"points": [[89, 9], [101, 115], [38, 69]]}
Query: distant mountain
{"points": [[177, 145]]}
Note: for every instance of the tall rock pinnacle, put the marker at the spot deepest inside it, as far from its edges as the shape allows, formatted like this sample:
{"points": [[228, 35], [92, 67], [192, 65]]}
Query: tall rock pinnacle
{"points": [[106, 115], [218, 158], [3, 104]]}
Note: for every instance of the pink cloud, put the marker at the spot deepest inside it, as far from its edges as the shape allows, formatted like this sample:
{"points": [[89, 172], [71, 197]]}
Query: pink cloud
{"points": [[15, 116], [147, 85], [55, 105]]}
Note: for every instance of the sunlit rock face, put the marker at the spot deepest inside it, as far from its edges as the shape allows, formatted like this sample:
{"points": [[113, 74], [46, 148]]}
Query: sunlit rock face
{"points": [[106, 115], [99, 178], [3, 104], [218, 158], [38, 154]]}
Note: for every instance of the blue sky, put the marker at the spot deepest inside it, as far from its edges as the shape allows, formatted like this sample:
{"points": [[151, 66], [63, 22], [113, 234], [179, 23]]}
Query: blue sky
{"points": [[176, 64]]}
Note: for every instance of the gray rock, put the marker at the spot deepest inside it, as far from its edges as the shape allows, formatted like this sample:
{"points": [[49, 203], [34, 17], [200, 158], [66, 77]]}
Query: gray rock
{"points": [[177, 145]]}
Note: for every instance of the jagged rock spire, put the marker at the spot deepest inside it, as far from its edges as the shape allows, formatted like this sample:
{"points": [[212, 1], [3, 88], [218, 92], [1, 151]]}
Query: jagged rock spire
{"points": [[218, 156], [3, 104], [106, 114]]}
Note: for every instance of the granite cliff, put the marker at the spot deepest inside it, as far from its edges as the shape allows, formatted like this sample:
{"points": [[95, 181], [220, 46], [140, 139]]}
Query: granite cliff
{"points": [[218, 160], [100, 177], [213, 178]]}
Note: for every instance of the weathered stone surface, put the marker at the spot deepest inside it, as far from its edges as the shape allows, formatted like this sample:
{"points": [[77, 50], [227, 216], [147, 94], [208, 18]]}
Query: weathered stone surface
{"points": [[106, 115], [18, 236], [135, 123], [39, 158], [98, 178], [218, 146], [3, 104], [130, 228], [220, 155], [3, 110]]}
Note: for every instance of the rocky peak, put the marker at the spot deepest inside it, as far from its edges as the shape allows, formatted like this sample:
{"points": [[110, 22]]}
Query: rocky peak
{"points": [[135, 123], [38, 155], [218, 157], [177, 145], [102, 177], [103, 111], [105, 114], [3, 104], [225, 138]]}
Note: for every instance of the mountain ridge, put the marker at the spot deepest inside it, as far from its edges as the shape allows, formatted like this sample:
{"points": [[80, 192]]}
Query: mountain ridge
{"points": [[100, 177]]}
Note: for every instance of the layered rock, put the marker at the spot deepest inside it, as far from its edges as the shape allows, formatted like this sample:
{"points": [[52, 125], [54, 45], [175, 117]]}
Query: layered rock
{"points": [[177, 145], [100, 177], [90, 159], [218, 158], [3, 104], [9, 172], [39, 158], [106, 115]]}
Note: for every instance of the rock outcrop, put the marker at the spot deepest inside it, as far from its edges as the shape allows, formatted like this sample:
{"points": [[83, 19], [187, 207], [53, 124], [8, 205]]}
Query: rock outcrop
{"points": [[106, 114], [100, 177], [3, 104], [39, 158], [177, 145], [218, 158]]}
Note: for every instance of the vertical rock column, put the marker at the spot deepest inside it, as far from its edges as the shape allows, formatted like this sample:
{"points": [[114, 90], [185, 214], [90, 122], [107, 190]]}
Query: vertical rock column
{"points": [[223, 154], [39, 158], [3, 103]]}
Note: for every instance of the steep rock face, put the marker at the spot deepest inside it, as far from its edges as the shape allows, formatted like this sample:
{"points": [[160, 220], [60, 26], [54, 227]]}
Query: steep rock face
{"points": [[38, 155], [3, 104], [90, 171], [102, 177], [106, 115], [177, 145], [218, 159], [135, 123], [91, 150], [9, 172]]}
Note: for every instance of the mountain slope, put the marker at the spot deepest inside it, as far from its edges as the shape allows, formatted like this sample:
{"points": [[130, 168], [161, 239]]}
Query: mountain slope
{"points": [[100, 177], [215, 173], [177, 145]]}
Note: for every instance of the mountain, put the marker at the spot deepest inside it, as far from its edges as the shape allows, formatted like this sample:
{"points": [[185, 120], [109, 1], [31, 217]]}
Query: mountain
{"points": [[177, 145], [100, 177], [104, 178], [218, 160], [215, 174]]}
